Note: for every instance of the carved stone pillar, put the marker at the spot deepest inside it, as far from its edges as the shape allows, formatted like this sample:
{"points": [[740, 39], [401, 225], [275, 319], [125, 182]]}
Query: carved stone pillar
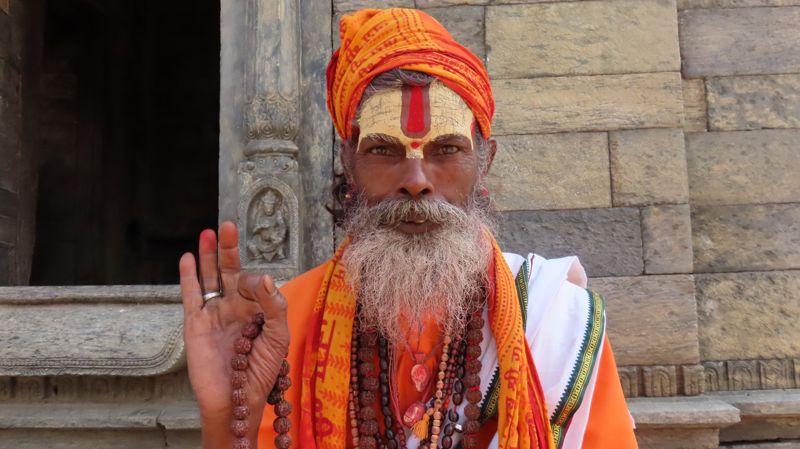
{"points": [[260, 183]]}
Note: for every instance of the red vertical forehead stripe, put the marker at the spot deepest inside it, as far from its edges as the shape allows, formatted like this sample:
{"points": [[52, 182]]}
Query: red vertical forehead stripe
{"points": [[375, 41], [415, 116]]}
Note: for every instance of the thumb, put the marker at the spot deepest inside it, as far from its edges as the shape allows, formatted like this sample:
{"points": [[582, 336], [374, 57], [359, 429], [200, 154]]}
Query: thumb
{"points": [[262, 290]]}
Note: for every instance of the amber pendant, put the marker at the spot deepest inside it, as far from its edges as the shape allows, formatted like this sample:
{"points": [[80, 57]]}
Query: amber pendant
{"points": [[420, 376]]}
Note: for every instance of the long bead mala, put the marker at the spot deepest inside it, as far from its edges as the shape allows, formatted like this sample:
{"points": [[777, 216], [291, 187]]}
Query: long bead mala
{"points": [[458, 378], [241, 411]]}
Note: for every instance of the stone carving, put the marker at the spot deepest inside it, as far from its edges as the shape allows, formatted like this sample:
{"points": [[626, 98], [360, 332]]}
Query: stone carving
{"points": [[272, 75], [693, 380], [92, 331], [776, 374], [30, 388], [716, 376], [273, 116], [6, 391], [743, 375], [660, 381], [269, 216], [629, 377], [268, 227], [65, 388]]}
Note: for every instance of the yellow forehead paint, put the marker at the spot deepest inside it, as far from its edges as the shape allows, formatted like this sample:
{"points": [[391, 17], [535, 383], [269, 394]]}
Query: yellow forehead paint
{"points": [[416, 115]]}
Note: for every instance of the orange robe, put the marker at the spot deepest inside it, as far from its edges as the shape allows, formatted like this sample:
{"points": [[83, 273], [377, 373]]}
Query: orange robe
{"points": [[609, 424]]}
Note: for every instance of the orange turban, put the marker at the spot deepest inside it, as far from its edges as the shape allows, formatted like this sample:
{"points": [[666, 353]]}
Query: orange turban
{"points": [[375, 41]]}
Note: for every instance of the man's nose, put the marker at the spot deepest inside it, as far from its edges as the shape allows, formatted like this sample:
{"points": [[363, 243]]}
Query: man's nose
{"points": [[416, 183]]}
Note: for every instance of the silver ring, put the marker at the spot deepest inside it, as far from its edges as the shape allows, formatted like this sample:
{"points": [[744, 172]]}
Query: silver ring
{"points": [[211, 295]]}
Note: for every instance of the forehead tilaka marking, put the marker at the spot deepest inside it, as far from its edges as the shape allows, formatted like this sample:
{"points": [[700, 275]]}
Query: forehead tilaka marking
{"points": [[415, 115]]}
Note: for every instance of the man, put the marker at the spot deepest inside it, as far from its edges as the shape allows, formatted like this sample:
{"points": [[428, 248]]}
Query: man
{"points": [[419, 332]]}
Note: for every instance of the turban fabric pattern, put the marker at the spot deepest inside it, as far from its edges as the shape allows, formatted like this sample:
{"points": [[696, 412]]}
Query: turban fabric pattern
{"points": [[374, 41]]}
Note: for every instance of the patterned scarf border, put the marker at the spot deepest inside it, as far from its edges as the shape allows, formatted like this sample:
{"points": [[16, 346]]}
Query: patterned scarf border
{"points": [[583, 369]]}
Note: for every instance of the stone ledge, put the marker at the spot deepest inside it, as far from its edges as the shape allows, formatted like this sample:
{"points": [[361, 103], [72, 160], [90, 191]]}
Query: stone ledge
{"points": [[764, 403], [91, 330], [79, 416], [682, 412]]}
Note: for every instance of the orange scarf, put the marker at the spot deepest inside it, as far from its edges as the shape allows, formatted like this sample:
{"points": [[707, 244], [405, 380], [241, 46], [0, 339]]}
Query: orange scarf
{"points": [[375, 41], [522, 420]]}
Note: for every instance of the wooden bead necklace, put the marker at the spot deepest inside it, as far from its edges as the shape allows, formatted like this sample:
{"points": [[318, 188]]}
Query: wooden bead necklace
{"points": [[241, 411]]}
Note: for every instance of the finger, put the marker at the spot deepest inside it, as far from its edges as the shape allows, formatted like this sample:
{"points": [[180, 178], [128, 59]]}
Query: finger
{"points": [[191, 294], [208, 261], [262, 289], [229, 264]]}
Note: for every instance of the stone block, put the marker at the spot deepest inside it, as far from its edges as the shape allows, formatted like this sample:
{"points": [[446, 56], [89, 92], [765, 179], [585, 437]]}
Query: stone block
{"points": [[679, 413], [353, 5], [81, 439], [693, 379], [588, 103], [754, 102], [748, 316], [709, 4], [437, 3], [629, 378], [648, 166], [740, 167], [695, 118], [702, 438], [608, 241], [90, 331], [466, 24], [582, 38], [551, 171], [667, 239], [746, 238], [766, 429], [660, 381], [652, 320], [739, 41], [772, 445]]}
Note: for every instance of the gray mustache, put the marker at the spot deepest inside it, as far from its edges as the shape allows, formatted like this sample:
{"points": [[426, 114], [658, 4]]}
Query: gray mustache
{"points": [[392, 212]]}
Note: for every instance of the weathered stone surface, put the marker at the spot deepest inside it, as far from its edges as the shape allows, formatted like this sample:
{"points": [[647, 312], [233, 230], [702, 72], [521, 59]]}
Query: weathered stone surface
{"points": [[435, 3], [648, 166], [81, 439], [465, 23], [352, 5], [608, 241], [768, 429], [90, 330], [78, 416], [183, 439], [660, 381], [551, 171], [764, 403], [582, 38], [588, 103], [746, 237], [651, 413], [739, 41], [780, 445], [707, 4], [652, 320], [180, 416], [678, 438], [754, 102], [695, 118], [667, 239], [740, 167], [748, 315]]}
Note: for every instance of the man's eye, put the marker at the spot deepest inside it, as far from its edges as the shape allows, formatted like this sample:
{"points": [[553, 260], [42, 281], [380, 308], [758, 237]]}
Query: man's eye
{"points": [[449, 149], [382, 151]]}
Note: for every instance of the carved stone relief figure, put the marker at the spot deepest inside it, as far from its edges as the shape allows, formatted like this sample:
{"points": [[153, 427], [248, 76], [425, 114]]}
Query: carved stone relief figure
{"points": [[269, 228]]}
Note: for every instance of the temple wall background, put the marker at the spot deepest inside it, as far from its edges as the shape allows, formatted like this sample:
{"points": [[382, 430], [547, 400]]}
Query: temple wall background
{"points": [[658, 140]]}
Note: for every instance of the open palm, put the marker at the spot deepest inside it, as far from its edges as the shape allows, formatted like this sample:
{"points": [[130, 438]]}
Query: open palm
{"points": [[211, 328]]}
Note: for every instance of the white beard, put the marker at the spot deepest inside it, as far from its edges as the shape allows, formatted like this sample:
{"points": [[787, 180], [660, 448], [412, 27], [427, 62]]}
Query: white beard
{"points": [[400, 278]]}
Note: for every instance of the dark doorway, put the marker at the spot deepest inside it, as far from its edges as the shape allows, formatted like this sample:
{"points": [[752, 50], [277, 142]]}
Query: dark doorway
{"points": [[128, 152]]}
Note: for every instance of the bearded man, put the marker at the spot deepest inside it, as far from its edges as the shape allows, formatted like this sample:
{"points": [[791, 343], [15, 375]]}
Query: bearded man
{"points": [[419, 332]]}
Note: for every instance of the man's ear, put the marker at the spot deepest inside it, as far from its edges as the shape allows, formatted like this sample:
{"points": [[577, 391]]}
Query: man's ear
{"points": [[492, 152]]}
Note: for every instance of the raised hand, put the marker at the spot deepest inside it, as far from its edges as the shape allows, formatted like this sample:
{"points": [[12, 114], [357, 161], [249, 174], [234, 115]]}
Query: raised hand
{"points": [[211, 327]]}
